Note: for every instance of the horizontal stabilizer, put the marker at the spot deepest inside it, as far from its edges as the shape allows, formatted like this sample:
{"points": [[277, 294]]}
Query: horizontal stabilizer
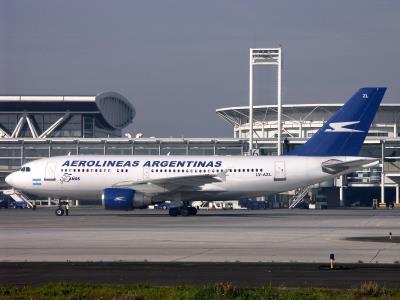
{"points": [[335, 166]]}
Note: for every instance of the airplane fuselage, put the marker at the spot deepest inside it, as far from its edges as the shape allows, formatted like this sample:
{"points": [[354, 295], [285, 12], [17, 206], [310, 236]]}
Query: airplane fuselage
{"points": [[86, 176]]}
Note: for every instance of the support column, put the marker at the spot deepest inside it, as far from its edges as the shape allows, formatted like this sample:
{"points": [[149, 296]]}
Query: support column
{"points": [[341, 192], [397, 204], [300, 129], [251, 102], [382, 202], [76, 202], [49, 201], [279, 96]]}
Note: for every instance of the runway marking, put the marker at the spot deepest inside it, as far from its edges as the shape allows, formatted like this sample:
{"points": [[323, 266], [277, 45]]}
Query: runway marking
{"points": [[377, 253], [188, 256]]}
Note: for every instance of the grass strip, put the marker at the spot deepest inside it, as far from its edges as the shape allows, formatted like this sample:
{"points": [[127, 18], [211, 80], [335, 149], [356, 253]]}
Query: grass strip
{"points": [[75, 291]]}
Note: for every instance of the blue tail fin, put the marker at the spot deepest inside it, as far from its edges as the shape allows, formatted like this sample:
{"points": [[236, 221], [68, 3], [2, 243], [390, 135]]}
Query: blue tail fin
{"points": [[345, 131]]}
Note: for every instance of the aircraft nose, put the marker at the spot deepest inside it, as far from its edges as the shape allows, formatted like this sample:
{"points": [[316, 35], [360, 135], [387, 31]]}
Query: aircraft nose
{"points": [[9, 179]]}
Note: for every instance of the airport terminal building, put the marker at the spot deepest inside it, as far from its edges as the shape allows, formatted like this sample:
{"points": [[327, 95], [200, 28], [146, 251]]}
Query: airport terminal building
{"points": [[33, 127], [301, 121]]}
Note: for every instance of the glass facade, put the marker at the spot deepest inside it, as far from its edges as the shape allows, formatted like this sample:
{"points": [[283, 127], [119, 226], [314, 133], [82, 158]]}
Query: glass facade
{"points": [[75, 125], [14, 152]]}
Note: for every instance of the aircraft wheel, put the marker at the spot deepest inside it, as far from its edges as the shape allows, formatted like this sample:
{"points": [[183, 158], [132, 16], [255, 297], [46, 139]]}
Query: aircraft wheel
{"points": [[59, 212], [192, 211], [185, 211], [173, 211]]}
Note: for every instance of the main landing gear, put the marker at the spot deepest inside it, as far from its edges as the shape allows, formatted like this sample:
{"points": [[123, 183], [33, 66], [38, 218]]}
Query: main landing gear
{"points": [[183, 211]]}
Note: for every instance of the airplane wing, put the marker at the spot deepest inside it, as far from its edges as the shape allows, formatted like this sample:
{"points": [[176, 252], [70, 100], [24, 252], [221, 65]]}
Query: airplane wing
{"points": [[335, 166], [165, 185]]}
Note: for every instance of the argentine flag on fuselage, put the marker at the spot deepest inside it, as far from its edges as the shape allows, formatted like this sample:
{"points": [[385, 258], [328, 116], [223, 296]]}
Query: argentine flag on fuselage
{"points": [[344, 133]]}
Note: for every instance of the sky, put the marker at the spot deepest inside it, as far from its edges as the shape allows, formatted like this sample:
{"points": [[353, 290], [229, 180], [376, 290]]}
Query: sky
{"points": [[178, 61]]}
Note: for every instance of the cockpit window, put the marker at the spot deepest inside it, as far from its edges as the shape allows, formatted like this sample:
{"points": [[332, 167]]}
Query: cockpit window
{"points": [[25, 169]]}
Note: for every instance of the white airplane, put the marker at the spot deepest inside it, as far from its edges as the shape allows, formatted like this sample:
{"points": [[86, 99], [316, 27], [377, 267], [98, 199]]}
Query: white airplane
{"points": [[126, 182]]}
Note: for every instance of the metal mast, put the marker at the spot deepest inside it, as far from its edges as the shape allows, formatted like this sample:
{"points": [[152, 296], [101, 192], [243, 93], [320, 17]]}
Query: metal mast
{"points": [[266, 56]]}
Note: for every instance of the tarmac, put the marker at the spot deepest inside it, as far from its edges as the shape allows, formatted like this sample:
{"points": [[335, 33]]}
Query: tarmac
{"points": [[93, 234], [166, 274], [249, 248]]}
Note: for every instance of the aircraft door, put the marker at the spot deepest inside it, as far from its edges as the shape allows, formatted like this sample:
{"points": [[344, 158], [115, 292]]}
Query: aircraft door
{"points": [[280, 172], [50, 172]]}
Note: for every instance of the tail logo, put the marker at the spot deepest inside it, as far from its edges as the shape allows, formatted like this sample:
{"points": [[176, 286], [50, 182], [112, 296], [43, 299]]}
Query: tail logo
{"points": [[341, 127]]}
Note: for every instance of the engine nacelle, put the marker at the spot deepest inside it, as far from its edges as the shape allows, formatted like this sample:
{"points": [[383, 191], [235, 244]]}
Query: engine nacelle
{"points": [[123, 199]]}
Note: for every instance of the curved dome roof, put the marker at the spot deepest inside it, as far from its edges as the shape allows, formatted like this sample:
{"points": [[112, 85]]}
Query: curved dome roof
{"points": [[115, 109]]}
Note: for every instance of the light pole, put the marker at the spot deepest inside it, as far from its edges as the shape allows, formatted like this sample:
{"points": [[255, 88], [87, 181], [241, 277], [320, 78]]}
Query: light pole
{"points": [[266, 56]]}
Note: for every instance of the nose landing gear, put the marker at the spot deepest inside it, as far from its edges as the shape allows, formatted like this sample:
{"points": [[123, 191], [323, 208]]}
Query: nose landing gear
{"points": [[59, 211]]}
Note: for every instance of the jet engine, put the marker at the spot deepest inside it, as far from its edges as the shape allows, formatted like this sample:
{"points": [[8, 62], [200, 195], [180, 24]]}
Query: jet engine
{"points": [[123, 199]]}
